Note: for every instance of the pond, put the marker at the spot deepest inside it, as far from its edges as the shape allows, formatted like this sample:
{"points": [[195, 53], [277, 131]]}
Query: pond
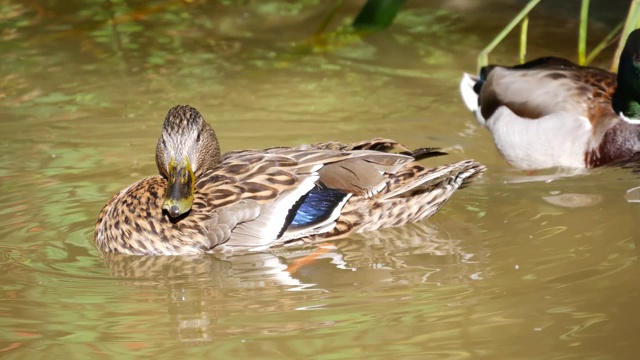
{"points": [[519, 265]]}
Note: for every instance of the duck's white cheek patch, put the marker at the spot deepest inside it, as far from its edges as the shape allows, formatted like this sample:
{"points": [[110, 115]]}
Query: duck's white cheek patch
{"points": [[557, 140]]}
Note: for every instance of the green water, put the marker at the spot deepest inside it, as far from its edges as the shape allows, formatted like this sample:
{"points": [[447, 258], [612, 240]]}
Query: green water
{"points": [[514, 267]]}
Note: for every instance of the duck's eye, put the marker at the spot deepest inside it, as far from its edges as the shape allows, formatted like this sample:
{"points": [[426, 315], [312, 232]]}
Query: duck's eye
{"points": [[198, 138]]}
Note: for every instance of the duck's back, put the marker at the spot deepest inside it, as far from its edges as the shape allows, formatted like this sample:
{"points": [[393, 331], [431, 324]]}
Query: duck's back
{"points": [[547, 86]]}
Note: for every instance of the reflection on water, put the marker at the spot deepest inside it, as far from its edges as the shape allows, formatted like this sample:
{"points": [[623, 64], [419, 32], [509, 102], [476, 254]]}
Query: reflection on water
{"points": [[540, 265], [198, 287]]}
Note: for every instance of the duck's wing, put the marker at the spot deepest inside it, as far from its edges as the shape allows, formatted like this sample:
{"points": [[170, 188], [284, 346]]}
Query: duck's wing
{"points": [[412, 194], [471, 85], [540, 88], [376, 144], [535, 93], [285, 192]]}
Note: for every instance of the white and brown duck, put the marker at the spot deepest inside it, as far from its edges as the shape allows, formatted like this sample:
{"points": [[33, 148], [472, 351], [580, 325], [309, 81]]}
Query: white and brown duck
{"points": [[551, 112]]}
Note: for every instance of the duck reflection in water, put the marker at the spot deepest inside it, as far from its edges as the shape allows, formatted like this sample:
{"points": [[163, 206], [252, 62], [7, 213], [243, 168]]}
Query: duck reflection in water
{"points": [[203, 290]]}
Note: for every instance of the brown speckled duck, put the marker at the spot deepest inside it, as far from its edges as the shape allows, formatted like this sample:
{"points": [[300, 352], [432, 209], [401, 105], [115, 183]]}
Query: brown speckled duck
{"points": [[252, 199], [551, 112]]}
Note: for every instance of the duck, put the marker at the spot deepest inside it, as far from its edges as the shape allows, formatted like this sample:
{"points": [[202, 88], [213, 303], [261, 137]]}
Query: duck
{"points": [[551, 112], [203, 201]]}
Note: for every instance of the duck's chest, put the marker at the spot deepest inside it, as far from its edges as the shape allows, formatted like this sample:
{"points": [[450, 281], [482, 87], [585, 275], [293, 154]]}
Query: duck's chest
{"points": [[621, 141], [558, 140]]}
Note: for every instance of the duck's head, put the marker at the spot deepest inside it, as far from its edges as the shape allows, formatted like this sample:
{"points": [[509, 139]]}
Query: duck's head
{"points": [[187, 148], [628, 91]]}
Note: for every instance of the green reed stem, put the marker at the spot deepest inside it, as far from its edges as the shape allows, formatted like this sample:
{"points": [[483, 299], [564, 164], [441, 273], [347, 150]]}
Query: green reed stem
{"points": [[603, 44], [582, 37], [632, 22], [377, 14], [523, 39], [483, 57]]}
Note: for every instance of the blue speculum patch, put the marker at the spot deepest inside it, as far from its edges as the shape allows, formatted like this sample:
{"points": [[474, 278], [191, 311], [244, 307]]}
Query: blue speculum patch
{"points": [[317, 207]]}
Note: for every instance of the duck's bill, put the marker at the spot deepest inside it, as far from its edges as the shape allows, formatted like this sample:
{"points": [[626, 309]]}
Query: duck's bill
{"points": [[178, 198]]}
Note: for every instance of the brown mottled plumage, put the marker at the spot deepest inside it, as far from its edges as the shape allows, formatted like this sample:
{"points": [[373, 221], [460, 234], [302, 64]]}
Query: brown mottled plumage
{"points": [[551, 112], [252, 199]]}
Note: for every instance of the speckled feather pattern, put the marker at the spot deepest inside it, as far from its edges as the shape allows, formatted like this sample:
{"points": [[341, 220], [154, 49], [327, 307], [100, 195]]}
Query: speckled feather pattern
{"points": [[246, 185]]}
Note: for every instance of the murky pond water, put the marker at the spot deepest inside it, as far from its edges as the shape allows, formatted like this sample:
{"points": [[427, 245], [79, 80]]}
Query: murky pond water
{"points": [[516, 266]]}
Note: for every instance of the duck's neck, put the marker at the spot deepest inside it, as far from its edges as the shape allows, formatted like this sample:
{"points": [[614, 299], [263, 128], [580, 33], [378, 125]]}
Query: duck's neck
{"points": [[626, 98]]}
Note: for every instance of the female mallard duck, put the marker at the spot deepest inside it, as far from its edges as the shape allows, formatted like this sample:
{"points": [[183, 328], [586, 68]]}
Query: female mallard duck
{"points": [[551, 112], [253, 199]]}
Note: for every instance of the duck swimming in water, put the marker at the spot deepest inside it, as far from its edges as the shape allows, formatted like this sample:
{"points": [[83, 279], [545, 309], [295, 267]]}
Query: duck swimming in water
{"points": [[551, 112], [205, 202]]}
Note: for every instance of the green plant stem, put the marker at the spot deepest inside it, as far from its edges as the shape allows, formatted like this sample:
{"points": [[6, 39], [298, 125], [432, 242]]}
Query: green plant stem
{"points": [[603, 44], [632, 22], [582, 37], [524, 28], [483, 57], [377, 14]]}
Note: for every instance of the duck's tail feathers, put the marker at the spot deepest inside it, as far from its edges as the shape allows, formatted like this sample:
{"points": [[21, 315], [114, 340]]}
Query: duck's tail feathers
{"points": [[416, 179], [416, 201], [470, 87], [469, 95], [424, 153]]}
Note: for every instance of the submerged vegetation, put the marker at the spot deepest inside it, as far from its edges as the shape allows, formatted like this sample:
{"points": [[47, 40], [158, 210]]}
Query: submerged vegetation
{"points": [[117, 23], [177, 37]]}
